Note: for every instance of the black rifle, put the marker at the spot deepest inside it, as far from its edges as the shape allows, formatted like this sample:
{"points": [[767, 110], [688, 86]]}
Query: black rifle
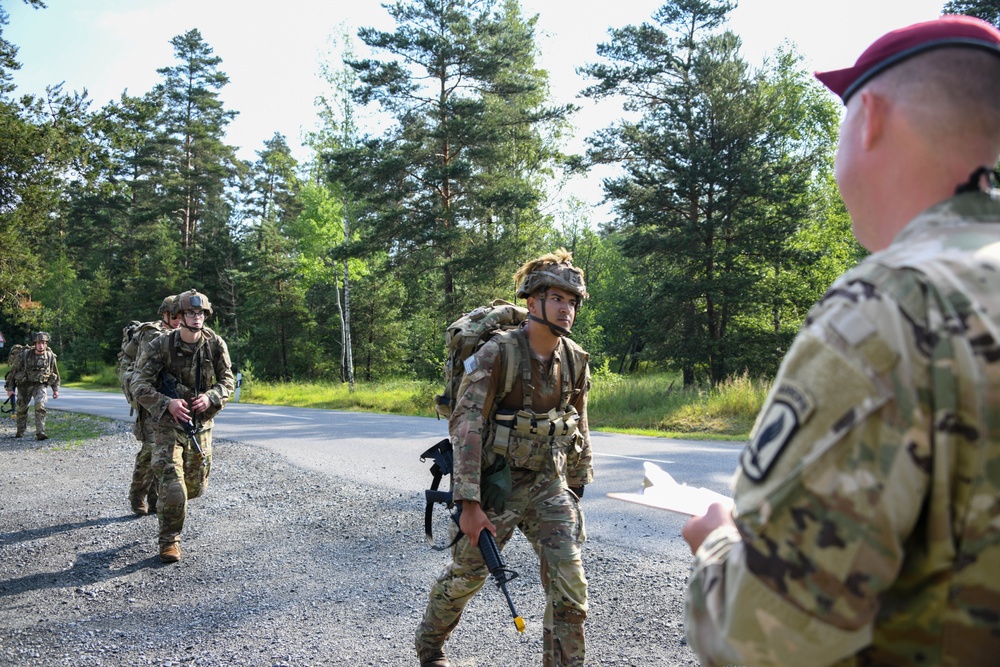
{"points": [[502, 575], [11, 400], [168, 387]]}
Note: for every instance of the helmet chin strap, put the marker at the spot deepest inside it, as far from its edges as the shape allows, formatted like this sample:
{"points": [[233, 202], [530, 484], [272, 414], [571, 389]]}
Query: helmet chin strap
{"points": [[554, 328], [184, 324]]}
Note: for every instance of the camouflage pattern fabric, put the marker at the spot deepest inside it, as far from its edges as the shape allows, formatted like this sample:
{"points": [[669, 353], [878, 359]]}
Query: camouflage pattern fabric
{"points": [[41, 368], [179, 477], [144, 334], [176, 467], [143, 480], [549, 515], [867, 512], [171, 354], [541, 505], [470, 420], [25, 394], [39, 371]]}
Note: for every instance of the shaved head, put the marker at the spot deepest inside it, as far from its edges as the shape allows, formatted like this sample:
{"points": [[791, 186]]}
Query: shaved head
{"points": [[951, 94]]}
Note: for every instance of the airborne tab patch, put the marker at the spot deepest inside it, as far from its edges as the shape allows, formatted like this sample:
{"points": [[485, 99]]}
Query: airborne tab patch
{"points": [[791, 407]]}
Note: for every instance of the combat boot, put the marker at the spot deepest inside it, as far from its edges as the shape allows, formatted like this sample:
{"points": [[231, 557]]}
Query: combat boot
{"points": [[139, 506], [170, 553], [41, 436], [19, 434], [433, 658]]}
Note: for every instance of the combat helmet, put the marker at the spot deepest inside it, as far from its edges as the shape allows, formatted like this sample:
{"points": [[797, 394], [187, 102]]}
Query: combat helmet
{"points": [[554, 269], [167, 306], [42, 336], [191, 300]]}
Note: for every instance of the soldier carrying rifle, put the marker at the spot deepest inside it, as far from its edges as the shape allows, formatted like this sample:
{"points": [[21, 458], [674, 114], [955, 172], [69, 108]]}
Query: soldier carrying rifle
{"points": [[522, 458], [184, 378]]}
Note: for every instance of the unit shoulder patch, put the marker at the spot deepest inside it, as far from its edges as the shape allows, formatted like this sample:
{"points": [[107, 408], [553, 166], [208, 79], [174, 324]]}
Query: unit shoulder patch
{"points": [[790, 408]]}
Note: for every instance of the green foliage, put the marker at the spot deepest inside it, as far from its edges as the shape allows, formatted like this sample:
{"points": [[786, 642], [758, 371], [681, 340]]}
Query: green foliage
{"points": [[453, 187], [987, 10], [662, 404], [405, 397], [70, 430], [717, 174], [728, 224]]}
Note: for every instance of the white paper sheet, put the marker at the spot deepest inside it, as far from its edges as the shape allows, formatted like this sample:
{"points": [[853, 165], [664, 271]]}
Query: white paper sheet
{"points": [[662, 491]]}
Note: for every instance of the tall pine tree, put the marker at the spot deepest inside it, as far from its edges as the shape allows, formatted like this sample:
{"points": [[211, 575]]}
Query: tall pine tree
{"points": [[716, 169]]}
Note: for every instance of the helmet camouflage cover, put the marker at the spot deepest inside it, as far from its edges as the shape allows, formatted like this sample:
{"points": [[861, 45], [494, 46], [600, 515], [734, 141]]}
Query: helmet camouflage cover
{"points": [[192, 300], [167, 306], [42, 336], [552, 270]]}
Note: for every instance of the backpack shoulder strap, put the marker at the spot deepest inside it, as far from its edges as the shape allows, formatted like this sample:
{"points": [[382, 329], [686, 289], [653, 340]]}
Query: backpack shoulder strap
{"points": [[524, 365], [568, 373]]}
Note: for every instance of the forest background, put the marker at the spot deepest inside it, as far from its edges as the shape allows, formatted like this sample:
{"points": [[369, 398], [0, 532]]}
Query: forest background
{"points": [[727, 224]]}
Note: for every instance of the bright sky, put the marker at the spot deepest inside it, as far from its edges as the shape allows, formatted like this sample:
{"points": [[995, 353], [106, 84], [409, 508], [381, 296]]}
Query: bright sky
{"points": [[271, 50]]}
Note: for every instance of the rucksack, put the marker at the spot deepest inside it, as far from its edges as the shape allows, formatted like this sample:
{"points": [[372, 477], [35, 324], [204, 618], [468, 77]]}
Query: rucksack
{"points": [[129, 352], [464, 337], [16, 362]]}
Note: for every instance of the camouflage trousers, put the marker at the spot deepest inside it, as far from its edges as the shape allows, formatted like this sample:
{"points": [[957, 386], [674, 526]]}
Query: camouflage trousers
{"points": [[549, 515], [179, 476], [25, 394], [142, 485]]}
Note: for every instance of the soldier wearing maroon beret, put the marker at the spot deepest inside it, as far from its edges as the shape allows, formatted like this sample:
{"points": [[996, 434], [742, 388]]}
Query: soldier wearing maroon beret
{"points": [[866, 524]]}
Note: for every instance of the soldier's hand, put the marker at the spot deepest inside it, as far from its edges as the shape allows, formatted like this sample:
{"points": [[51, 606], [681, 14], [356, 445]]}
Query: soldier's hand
{"points": [[178, 409], [698, 528], [55, 393], [9, 394], [473, 520], [200, 404]]}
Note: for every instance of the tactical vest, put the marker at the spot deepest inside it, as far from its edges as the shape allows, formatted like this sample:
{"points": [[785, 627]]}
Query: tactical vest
{"points": [[195, 373], [38, 367], [528, 439]]}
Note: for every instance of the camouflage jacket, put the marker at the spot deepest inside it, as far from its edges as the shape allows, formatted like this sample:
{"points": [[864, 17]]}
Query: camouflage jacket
{"points": [[170, 355], [868, 500], [471, 424], [37, 369]]}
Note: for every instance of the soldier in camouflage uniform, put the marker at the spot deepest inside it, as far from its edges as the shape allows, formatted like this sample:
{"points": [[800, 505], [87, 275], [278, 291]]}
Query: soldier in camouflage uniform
{"points": [[506, 476], [197, 359], [142, 491], [38, 371], [866, 528]]}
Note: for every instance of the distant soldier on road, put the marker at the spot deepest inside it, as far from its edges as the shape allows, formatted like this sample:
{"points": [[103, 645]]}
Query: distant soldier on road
{"points": [[37, 372], [191, 364], [142, 491]]}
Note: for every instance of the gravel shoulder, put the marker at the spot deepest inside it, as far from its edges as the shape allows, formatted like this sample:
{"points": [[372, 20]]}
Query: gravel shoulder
{"points": [[282, 566]]}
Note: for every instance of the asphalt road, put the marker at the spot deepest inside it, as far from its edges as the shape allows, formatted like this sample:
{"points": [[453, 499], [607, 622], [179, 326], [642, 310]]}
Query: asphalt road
{"points": [[384, 451]]}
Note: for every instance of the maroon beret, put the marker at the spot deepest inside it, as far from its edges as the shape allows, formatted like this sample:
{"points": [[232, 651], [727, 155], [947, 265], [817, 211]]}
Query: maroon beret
{"points": [[896, 46]]}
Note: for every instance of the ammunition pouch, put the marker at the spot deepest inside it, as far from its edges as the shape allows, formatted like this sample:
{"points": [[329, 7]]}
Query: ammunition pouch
{"points": [[535, 441], [496, 486]]}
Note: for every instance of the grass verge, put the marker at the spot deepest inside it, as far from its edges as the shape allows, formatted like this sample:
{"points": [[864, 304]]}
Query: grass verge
{"points": [[67, 430], [653, 404]]}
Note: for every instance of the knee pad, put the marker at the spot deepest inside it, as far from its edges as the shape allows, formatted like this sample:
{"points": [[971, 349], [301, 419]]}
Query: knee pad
{"points": [[175, 494]]}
